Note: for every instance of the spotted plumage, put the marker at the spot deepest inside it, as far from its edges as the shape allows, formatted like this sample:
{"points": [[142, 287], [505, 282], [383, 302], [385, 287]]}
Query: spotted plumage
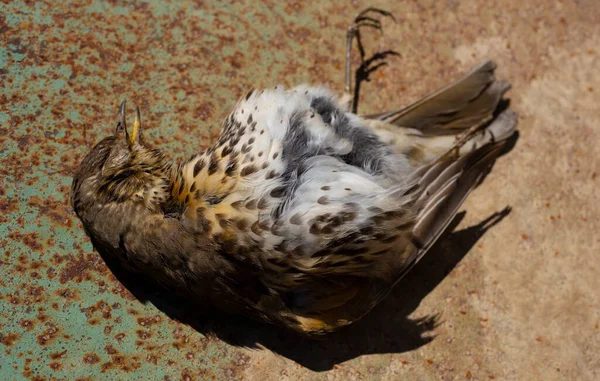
{"points": [[302, 213]]}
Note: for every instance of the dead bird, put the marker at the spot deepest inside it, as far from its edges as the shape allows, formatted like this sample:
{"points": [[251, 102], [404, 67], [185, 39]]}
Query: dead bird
{"points": [[302, 214]]}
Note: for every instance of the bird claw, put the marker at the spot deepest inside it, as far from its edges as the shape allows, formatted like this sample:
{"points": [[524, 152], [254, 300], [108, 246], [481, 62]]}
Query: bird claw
{"points": [[361, 19], [379, 11], [365, 18]]}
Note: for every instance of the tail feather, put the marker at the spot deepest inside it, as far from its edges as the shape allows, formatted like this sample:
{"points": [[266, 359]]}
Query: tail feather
{"points": [[444, 185], [428, 128], [466, 102], [424, 133], [442, 205]]}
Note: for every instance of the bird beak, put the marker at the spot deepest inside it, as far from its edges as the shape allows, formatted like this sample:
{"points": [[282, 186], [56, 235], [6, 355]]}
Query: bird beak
{"points": [[121, 120], [136, 131]]}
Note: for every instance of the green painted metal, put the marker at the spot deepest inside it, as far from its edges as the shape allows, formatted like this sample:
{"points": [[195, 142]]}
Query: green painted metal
{"points": [[64, 68]]}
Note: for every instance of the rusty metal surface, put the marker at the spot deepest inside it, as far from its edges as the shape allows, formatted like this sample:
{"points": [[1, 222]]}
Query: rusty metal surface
{"points": [[64, 68]]}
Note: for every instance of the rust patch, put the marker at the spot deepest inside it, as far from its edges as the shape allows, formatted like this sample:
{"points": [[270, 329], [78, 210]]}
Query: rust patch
{"points": [[152, 359], [54, 365], [182, 340], [28, 325], [149, 321], [26, 141], [36, 265], [57, 259], [203, 111], [120, 336], [8, 205], [110, 349], [78, 268], [186, 375], [144, 335], [119, 289], [9, 338], [58, 355], [91, 358], [32, 295], [67, 294], [35, 294], [49, 335], [58, 211], [99, 310], [29, 239], [123, 363], [27, 368], [93, 321]]}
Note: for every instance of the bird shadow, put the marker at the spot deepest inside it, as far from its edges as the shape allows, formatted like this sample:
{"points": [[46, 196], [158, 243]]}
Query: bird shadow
{"points": [[386, 329], [366, 68]]}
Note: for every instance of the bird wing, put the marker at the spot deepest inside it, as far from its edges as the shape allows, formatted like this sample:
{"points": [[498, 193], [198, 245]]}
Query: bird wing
{"points": [[467, 102], [443, 185]]}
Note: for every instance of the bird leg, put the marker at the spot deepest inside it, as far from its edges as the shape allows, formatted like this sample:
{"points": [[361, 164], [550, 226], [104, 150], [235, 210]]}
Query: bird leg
{"points": [[362, 19]]}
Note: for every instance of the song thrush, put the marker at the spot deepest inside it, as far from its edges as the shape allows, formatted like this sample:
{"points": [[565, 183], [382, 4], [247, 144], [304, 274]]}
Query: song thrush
{"points": [[302, 214]]}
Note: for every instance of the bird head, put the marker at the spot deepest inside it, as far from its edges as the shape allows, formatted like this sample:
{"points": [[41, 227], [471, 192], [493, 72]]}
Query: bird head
{"points": [[122, 169]]}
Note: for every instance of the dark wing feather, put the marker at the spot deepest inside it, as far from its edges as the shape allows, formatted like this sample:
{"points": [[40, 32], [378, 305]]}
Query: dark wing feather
{"points": [[445, 185], [467, 102]]}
